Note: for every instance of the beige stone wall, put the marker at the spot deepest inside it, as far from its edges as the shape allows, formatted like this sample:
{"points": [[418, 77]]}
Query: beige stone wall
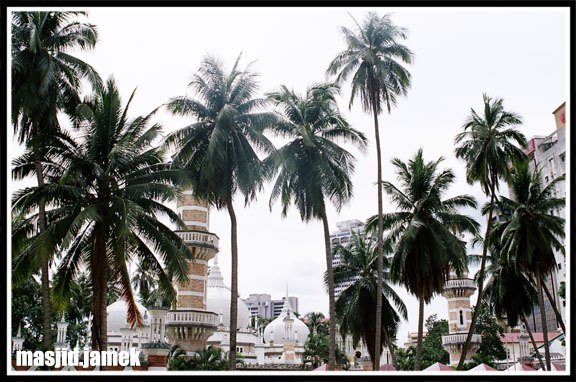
{"points": [[190, 200], [189, 344], [196, 302]]}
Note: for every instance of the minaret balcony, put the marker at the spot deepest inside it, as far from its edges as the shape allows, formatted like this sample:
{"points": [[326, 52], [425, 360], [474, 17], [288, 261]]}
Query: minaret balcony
{"points": [[460, 338], [457, 288], [199, 239], [192, 317]]}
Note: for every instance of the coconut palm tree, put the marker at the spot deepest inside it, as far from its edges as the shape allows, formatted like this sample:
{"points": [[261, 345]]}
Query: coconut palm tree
{"points": [[107, 205], [218, 149], [488, 144], [532, 234], [316, 322], [45, 79], [355, 305], [509, 293], [374, 58], [313, 166], [424, 231]]}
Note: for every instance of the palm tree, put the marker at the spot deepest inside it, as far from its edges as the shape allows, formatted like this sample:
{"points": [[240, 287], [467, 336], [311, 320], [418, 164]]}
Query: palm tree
{"points": [[508, 292], [45, 80], [315, 322], [355, 305], [486, 144], [217, 151], [317, 350], [373, 57], [424, 231], [313, 166], [530, 237], [107, 205]]}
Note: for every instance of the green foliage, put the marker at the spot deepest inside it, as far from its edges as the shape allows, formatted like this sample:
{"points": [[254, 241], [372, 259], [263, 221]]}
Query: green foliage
{"points": [[405, 358], [211, 358], [27, 311], [491, 347], [432, 350], [355, 305], [316, 352], [562, 290], [316, 324]]}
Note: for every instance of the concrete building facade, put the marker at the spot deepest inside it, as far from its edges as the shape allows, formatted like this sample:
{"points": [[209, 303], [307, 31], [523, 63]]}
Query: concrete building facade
{"points": [[342, 236], [261, 304], [548, 154]]}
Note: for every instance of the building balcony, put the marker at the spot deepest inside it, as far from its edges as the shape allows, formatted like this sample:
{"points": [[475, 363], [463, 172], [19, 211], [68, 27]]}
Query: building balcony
{"points": [[199, 239], [460, 339], [459, 283], [192, 317]]}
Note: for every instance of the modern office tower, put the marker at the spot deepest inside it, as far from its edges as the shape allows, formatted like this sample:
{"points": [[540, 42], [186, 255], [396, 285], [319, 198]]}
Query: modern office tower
{"points": [[341, 237], [261, 304]]}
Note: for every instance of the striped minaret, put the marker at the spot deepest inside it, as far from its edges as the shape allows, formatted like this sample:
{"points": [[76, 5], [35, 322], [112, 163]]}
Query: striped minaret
{"points": [[190, 324], [458, 290]]}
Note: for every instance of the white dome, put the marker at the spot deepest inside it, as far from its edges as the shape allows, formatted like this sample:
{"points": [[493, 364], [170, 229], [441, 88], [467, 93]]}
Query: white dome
{"points": [[118, 314], [218, 299], [286, 327]]}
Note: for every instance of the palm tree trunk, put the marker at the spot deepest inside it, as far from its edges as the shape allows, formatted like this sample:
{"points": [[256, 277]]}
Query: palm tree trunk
{"points": [[480, 279], [376, 361], [331, 298], [45, 265], [96, 295], [543, 319], [390, 347], [533, 342], [417, 362], [234, 292], [556, 312]]}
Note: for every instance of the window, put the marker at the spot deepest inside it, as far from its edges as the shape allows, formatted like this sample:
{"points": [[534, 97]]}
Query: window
{"points": [[559, 265], [461, 318], [547, 178]]}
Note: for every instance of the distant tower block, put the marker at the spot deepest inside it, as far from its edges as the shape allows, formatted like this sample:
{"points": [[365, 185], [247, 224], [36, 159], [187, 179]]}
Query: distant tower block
{"points": [[457, 291], [190, 324]]}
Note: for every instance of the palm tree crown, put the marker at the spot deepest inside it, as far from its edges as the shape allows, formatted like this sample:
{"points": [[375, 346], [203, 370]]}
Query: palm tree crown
{"points": [[486, 144], [424, 229], [372, 57], [108, 202], [355, 305], [45, 78], [313, 166], [218, 149]]}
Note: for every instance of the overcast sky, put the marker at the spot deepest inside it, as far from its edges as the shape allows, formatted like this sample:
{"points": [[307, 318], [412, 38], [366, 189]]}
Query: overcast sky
{"points": [[518, 54]]}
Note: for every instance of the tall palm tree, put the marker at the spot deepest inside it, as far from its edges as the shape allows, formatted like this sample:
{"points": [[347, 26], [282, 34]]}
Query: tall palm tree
{"points": [[313, 166], [424, 231], [488, 144], [315, 322], [107, 205], [218, 149], [355, 305], [45, 79], [532, 234], [374, 57]]}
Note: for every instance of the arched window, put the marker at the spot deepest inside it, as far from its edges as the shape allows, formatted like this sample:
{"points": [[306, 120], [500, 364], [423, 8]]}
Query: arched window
{"points": [[461, 318]]}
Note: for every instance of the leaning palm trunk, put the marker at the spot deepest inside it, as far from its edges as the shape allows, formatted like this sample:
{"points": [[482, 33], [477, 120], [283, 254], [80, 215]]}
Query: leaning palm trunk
{"points": [[99, 291], [377, 340], [417, 362], [42, 226], [554, 307], [480, 279], [543, 319], [533, 342], [331, 298], [390, 347], [234, 293]]}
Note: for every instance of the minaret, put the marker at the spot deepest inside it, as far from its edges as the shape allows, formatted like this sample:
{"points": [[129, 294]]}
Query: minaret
{"points": [[190, 324], [17, 341], [458, 291], [62, 327]]}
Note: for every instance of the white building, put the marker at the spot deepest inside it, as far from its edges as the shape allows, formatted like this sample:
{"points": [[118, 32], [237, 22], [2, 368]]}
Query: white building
{"points": [[341, 237]]}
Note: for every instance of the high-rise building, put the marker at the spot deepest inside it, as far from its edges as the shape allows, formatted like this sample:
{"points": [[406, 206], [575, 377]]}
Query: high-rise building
{"points": [[548, 154], [261, 304], [345, 231]]}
